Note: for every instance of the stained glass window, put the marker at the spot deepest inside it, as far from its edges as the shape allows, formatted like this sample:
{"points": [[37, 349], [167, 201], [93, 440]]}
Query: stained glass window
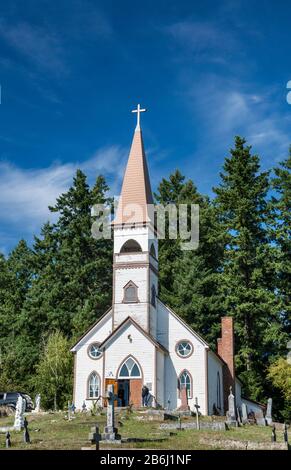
{"points": [[130, 369]]}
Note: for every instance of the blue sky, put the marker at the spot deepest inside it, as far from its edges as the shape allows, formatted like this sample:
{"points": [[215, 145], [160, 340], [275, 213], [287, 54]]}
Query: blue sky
{"points": [[71, 71]]}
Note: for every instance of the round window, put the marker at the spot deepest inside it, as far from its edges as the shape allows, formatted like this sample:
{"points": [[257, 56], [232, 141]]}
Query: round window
{"points": [[94, 351], [184, 348]]}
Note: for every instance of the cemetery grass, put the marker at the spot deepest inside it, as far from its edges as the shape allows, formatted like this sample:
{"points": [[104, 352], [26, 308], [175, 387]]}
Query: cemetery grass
{"points": [[52, 431]]}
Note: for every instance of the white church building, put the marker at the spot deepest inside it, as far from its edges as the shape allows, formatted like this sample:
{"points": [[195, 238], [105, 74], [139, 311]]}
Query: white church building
{"points": [[140, 340]]}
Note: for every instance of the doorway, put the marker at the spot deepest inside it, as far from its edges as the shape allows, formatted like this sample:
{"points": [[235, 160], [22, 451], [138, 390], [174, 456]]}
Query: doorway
{"points": [[123, 392]]}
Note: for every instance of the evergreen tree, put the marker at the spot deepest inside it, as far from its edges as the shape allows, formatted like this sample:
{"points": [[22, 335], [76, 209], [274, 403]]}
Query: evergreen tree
{"points": [[281, 235], [15, 283], [242, 205], [189, 279], [70, 283]]}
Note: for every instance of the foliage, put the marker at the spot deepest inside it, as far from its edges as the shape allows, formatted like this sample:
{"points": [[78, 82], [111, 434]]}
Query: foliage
{"points": [[53, 291], [54, 372]]}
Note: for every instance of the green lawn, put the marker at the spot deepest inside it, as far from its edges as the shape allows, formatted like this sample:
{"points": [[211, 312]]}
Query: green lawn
{"points": [[53, 431]]}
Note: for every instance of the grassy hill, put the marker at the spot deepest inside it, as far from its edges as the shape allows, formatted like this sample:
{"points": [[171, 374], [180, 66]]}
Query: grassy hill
{"points": [[54, 431]]}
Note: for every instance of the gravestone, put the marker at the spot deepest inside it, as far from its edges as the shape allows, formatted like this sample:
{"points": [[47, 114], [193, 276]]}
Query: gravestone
{"points": [[239, 419], [197, 413], [285, 433], [84, 407], [37, 403], [110, 431], [95, 437], [260, 420], [184, 399], [244, 412], [8, 441], [231, 418], [269, 412], [26, 437], [19, 414], [274, 437]]}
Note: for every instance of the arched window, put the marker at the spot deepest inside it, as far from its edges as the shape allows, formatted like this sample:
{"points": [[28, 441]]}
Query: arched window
{"points": [[130, 293], [131, 246], [130, 369], [218, 392], [153, 295], [94, 385], [153, 251], [185, 381]]}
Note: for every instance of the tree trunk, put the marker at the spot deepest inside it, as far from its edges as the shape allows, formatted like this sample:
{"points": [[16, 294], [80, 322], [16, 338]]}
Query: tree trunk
{"points": [[55, 402]]}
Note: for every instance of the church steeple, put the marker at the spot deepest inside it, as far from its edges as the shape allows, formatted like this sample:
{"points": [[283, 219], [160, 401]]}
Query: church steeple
{"points": [[135, 262], [136, 191]]}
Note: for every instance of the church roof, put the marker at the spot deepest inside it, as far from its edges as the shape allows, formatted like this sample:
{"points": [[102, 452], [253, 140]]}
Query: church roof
{"points": [[147, 335], [73, 348], [136, 191]]}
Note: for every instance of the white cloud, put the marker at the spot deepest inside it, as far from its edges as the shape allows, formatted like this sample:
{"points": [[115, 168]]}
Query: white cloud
{"points": [[203, 40], [41, 46], [223, 108], [27, 193]]}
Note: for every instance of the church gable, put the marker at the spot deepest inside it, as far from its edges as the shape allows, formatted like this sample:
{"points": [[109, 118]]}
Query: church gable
{"points": [[129, 341], [170, 324], [97, 332]]}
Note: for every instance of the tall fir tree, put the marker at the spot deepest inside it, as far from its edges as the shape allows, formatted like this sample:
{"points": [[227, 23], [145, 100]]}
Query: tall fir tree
{"points": [[71, 285], [281, 236], [189, 279], [247, 269], [16, 279]]}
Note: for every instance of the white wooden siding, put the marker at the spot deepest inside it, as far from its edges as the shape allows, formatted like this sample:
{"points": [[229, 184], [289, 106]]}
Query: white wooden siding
{"points": [[214, 366], [170, 331]]}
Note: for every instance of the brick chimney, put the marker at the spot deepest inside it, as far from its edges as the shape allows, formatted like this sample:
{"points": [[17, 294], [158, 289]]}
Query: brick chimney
{"points": [[225, 349]]}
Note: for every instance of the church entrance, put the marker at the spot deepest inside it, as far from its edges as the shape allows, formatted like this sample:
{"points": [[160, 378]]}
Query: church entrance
{"points": [[123, 392], [129, 383]]}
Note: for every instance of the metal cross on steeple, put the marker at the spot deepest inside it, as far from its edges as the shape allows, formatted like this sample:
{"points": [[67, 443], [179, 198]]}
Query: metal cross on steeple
{"points": [[138, 111]]}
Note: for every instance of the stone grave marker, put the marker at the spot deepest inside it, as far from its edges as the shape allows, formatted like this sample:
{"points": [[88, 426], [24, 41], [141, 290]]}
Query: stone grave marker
{"points": [[231, 418], [244, 413], [285, 433], [260, 420], [274, 437], [197, 413], [110, 431], [8, 441], [19, 414], [239, 419], [269, 412], [84, 407], [95, 436], [26, 437], [37, 404]]}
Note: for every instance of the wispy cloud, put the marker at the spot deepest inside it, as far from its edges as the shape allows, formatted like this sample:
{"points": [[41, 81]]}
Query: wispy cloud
{"points": [[202, 40], [40, 46], [27, 193], [225, 108]]}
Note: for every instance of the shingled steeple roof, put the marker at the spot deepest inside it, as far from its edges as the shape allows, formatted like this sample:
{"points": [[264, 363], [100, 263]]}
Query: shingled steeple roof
{"points": [[136, 191]]}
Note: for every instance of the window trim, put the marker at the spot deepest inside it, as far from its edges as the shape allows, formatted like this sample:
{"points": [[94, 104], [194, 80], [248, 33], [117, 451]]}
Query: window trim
{"points": [[135, 299], [153, 252], [137, 245], [184, 341], [88, 351], [88, 386], [191, 384], [129, 378]]}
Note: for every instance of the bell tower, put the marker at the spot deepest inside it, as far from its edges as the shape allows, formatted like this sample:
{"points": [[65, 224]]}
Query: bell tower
{"points": [[135, 263]]}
